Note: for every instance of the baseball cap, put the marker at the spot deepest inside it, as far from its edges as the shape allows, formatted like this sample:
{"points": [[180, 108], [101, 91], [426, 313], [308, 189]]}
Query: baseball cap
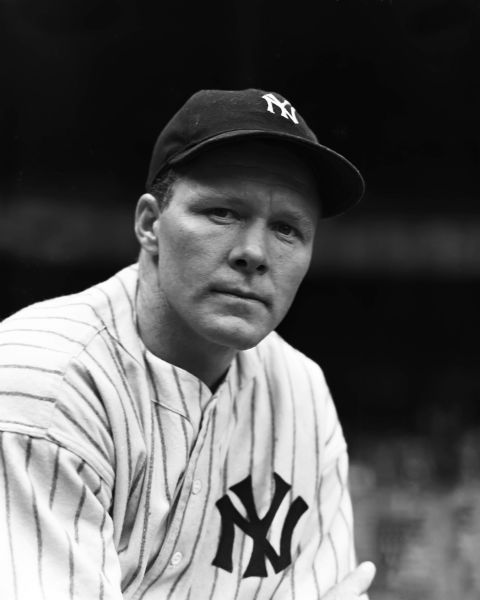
{"points": [[213, 117]]}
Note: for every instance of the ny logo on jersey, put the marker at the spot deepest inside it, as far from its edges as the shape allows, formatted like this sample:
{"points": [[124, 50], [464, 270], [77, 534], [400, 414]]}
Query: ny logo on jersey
{"points": [[273, 100], [257, 528]]}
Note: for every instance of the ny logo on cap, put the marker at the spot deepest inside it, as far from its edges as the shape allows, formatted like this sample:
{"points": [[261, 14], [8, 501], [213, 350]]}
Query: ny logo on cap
{"points": [[273, 100]]}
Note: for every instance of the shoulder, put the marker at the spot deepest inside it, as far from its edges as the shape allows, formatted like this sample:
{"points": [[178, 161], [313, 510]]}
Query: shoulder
{"points": [[41, 344], [298, 387], [281, 359], [61, 327]]}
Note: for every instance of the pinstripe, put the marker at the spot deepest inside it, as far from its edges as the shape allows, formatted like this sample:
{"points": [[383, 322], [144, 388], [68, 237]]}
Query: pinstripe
{"points": [[137, 478], [180, 391], [344, 519], [161, 435], [124, 548], [31, 368], [272, 434], [294, 424], [38, 531], [37, 346], [204, 510], [184, 427], [98, 489], [71, 568], [330, 436], [214, 585], [239, 372], [28, 425], [102, 418], [115, 356], [104, 553], [284, 573], [317, 584], [89, 437], [234, 403], [224, 491], [294, 453], [335, 556], [340, 478], [27, 395], [49, 306], [164, 455], [250, 470], [146, 515], [49, 331], [50, 318], [317, 479], [240, 562], [110, 307], [127, 295], [53, 487], [259, 587], [8, 516], [272, 422], [342, 514], [28, 453], [79, 511], [260, 583], [125, 419]]}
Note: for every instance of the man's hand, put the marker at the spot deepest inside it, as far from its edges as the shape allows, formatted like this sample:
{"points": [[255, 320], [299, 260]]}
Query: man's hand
{"points": [[355, 584]]}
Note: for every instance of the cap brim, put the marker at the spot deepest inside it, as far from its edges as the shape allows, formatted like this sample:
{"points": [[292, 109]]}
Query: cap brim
{"points": [[340, 182]]}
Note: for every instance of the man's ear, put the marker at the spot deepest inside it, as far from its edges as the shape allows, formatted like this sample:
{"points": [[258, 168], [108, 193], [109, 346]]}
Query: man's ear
{"points": [[146, 223]]}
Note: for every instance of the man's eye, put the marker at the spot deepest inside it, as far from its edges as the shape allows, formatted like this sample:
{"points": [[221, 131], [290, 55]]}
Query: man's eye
{"points": [[286, 230], [221, 213]]}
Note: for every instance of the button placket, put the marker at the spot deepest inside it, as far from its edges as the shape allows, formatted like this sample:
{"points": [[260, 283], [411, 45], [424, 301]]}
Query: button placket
{"points": [[185, 539]]}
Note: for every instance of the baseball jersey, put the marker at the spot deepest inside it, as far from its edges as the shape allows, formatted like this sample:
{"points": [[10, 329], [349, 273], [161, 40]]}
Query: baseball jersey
{"points": [[124, 477]]}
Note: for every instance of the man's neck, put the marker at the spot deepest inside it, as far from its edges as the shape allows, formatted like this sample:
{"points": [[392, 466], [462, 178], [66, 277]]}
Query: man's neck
{"points": [[173, 341]]}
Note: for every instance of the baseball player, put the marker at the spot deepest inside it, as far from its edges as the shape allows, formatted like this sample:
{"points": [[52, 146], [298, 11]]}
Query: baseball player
{"points": [[158, 439]]}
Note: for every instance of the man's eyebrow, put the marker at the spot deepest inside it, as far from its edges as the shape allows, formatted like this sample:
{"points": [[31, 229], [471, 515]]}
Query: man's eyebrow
{"points": [[214, 194]]}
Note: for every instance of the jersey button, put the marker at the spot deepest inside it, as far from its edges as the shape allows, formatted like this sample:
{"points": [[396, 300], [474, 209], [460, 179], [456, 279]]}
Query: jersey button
{"points": [[176, 558], [197, 486]]}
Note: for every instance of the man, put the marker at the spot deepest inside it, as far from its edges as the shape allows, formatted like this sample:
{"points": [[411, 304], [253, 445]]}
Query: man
{"points": [[158, 439]]}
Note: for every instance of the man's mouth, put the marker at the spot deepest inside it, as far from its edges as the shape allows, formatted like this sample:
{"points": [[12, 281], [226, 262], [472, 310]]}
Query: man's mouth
{"points": [[241, 293]]}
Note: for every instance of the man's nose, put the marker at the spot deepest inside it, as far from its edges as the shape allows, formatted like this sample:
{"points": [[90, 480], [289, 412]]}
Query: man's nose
{"points": [[249, 253]]}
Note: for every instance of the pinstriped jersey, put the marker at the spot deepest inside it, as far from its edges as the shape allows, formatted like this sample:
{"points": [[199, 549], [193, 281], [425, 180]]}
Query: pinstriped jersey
{"points": [[123, 476]]}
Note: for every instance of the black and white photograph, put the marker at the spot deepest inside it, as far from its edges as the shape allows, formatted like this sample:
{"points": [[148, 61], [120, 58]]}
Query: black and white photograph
{"points": [[240, 264]]}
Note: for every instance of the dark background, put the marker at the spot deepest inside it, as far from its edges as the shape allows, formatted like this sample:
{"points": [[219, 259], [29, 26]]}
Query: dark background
{"points": [[390, 308]]}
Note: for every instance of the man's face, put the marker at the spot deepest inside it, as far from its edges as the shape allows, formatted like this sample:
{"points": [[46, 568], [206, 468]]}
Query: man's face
{"points": [[235, 242]]}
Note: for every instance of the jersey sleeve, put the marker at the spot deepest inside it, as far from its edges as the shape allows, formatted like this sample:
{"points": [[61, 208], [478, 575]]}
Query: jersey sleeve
{"points": [[56, 535]]}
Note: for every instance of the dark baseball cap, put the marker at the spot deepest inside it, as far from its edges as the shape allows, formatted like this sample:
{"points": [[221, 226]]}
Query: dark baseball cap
{"points": [[213, 117]]}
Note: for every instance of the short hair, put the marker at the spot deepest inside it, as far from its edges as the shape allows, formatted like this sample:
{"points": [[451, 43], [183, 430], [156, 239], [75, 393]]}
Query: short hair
{"points": [[162, 187]]}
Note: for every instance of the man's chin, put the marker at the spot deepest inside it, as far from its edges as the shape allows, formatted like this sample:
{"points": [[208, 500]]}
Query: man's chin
{"points": [[237, 336]]}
